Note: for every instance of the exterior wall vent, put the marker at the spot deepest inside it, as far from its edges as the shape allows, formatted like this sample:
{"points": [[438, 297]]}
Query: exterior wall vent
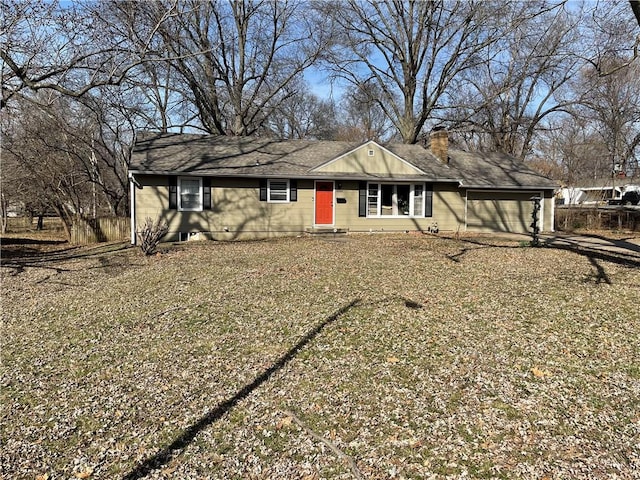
{"points": [[186, 236], [370, 153]]}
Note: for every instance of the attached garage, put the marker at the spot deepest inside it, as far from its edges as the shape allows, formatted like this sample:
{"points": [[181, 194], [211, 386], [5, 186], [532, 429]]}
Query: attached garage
{"points": [[500, 211]]}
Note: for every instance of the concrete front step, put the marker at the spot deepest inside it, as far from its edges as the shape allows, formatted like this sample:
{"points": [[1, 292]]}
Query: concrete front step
{"points": [[326, 231]]}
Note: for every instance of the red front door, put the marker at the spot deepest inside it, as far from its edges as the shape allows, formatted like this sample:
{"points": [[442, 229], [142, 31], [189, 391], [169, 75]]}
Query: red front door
{"points": [[324, 203]]}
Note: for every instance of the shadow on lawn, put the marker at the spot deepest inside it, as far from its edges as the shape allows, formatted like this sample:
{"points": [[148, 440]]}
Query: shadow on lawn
{"points": [[594, 255], [31, 241], [18, 260], [165, 455], [476, 246], [598, 252]]}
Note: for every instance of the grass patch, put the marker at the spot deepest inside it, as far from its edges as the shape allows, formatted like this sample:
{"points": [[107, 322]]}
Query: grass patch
{"points": [[418, 357]]}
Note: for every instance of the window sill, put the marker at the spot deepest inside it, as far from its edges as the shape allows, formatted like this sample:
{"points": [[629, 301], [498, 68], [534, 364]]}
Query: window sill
{"points": [[395, 216]]}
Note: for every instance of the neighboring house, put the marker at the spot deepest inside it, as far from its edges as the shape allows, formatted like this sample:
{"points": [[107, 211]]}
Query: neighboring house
{"points": [[15, 209], [224, 188], [597, 191]]}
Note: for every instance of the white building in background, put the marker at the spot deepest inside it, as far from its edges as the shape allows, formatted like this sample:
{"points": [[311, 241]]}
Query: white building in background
{"points": [[597, 192]]}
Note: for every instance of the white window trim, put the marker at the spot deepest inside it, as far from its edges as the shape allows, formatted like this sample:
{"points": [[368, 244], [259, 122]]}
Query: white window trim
{"points": [[200, 193], [411, 200], [287, 189]]}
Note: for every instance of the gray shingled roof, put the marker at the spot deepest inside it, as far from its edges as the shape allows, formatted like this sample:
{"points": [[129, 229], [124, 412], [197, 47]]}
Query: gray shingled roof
{"points": [[263, 157], [230, 156], [495, 170], [425, 160]]}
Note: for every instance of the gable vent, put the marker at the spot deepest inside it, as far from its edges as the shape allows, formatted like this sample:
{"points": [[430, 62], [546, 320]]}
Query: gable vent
{"points": [[370, 153]]}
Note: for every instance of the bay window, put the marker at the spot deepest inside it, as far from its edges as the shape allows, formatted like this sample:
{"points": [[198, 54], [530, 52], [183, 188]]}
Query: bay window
{"points": [[396, 200]]}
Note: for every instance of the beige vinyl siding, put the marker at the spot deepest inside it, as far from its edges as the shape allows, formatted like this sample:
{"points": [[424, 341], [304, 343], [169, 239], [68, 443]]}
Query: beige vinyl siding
{"points": [[237, 212], [382, 163]]}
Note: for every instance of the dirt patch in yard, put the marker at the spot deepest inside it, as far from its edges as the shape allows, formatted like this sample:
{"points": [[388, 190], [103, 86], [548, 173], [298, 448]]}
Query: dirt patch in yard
{"points": [[381, 356]]}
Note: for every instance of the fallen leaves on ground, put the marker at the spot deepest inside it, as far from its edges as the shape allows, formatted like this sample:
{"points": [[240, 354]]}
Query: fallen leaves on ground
{"points": [[414, 356]]}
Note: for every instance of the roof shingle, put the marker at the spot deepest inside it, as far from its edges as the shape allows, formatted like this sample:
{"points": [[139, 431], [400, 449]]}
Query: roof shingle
{"points": [[171, 153]]}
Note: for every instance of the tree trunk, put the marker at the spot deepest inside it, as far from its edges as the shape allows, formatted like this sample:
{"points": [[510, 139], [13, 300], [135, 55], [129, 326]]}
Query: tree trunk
{"points": [[67, 220], [3, 211]]}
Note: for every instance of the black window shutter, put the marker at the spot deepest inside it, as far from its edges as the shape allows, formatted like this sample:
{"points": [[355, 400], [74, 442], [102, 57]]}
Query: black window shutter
{"points": [[206, 193], [362, 206], [173, 192], [428, 206], [263, 190], [293, 190]]}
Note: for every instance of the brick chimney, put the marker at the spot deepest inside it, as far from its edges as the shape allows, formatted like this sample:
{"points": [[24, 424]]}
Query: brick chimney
{"points": [[439, 144]]}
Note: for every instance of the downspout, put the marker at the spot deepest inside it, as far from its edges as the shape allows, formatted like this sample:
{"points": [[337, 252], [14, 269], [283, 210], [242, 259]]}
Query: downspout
{"points": [[466, 204], [132, 209], [542, 200], [552, 227]]}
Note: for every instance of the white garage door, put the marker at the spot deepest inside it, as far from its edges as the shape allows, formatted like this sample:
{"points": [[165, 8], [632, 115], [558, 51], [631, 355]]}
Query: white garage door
{"points": [[500, 211]]}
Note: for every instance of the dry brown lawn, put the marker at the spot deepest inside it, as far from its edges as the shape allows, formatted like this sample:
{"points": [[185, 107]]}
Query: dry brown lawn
{"points": [[373, 356]]}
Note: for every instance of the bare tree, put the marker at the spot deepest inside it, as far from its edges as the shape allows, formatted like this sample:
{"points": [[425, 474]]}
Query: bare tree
{"points": [[67, 47], [301, 115], [56, 150], [412, 50], [362, 115], [235, 60], [610, 31], [611, 103], [506, 100], [108, 132], [573, 146]]}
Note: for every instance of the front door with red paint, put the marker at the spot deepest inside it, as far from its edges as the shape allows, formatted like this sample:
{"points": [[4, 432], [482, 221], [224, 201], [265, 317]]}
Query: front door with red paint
{"points": [[324, 203]]}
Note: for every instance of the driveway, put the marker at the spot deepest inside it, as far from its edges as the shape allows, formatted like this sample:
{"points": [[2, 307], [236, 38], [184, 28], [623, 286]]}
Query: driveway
{"points": [[627, 246]]}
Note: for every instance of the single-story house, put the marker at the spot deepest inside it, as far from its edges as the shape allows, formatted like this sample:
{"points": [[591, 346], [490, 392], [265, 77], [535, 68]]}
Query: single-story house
{"points": [[223, 188]]}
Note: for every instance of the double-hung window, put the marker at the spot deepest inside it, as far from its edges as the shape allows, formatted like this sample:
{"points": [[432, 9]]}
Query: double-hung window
{"points": [[190, 193], [278, 191], [395, 200]]}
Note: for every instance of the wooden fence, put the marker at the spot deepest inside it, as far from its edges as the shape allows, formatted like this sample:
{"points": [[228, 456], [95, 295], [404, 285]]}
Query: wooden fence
{"points": [[569, 218], [19, 224], [30, 224], [102, 229]]}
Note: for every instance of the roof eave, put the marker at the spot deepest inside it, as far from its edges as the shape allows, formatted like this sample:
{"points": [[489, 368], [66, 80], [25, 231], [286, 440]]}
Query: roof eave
{"points": [[314, 176], [509, 187]]}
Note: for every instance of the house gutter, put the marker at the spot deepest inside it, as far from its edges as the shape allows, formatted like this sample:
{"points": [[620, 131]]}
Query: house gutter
{"points": [[507, 187], [333, 176]]}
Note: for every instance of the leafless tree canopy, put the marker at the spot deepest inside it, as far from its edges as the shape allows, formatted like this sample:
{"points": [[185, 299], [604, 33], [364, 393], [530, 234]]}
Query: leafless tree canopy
{"points": [[70, 48], [236, 61], [504, 102], [61, 160], [412, 51]]}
